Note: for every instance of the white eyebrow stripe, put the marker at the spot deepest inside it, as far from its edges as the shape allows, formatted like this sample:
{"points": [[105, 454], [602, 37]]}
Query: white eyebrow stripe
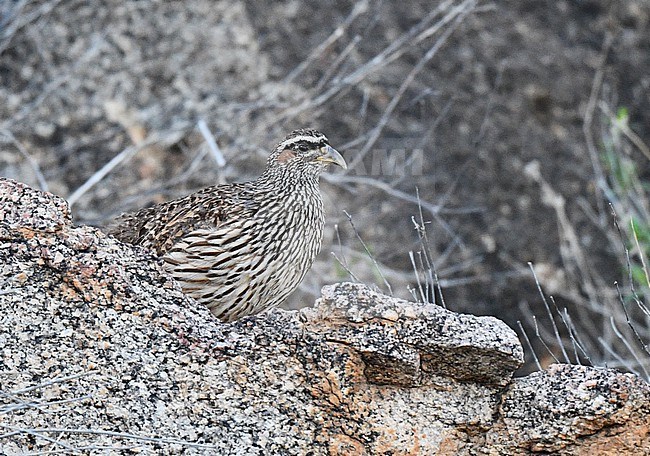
{"points": [[295, 139]]}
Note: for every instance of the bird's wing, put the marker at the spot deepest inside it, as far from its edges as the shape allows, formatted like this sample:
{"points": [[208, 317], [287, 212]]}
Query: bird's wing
{"points": [[218, 257], [160, 227]]}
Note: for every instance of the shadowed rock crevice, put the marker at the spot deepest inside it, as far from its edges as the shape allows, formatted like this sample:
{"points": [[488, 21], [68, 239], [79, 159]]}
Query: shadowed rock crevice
{"points": [[402, 343], [101, 349]]}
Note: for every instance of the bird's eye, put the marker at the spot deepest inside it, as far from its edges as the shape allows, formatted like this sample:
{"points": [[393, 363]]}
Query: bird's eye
{"points": [[303, 148]]}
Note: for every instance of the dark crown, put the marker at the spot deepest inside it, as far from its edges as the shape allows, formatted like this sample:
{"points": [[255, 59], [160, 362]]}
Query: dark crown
{"points": [[310, 136]]}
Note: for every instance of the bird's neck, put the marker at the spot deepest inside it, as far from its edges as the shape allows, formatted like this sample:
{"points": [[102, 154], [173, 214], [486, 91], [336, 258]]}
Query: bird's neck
{"points": [[286, 179]]}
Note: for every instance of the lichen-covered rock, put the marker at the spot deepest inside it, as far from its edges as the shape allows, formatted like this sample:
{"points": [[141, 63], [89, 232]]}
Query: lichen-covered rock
{"points": [[548, 412], [21, 207], [101, 352], [404, 343]]}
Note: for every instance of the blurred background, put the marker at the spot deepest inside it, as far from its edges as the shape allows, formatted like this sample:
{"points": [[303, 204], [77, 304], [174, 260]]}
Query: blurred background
{"points": [[481, 137]]}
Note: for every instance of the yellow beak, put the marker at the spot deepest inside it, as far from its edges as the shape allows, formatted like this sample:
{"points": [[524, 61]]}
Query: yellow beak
{"points": [[331, 155]]}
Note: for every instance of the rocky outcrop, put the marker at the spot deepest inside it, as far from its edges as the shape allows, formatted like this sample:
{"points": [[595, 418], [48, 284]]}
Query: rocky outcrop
{"points": [[100, 351]]}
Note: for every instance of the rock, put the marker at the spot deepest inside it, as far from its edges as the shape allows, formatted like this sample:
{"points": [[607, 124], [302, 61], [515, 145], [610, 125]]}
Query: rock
{"points": [[101, 351], [22, 207], [547, 412], [402, 343]]}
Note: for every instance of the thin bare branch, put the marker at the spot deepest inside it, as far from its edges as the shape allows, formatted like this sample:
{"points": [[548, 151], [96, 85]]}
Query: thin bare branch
{"points": [[54, 381], [126, 154], [632, 352], [558, 339], [370, 255], [41, 432], [32, 162], [358, 9], [542, 340], [212, 143], [342, 261], [530, 346], [457, 15], [588, 121]]}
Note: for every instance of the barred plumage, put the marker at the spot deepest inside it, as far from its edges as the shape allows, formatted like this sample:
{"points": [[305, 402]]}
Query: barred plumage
{"points": [[242, 248]]}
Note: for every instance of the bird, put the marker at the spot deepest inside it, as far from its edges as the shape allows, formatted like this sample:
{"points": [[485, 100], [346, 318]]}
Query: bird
{"points": [[242, 248]]}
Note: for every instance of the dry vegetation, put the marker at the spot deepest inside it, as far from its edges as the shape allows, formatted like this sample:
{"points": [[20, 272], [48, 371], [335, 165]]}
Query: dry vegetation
{"points": [[482, 136]]}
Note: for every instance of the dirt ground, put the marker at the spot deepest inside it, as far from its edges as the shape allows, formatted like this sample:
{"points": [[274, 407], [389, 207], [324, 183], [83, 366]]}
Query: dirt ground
{"points": [[491, 111]]}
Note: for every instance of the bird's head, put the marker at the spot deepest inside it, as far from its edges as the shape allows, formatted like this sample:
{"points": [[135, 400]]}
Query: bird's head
{"points": [[304, 151]]}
